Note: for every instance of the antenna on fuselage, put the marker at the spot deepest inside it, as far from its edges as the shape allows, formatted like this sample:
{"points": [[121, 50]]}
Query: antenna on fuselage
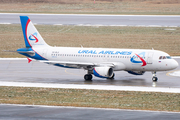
{"points": [[81, 46]]}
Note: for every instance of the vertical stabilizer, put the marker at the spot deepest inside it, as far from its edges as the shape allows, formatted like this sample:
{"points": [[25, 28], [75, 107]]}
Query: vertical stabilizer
{"points": [[32, 37]]}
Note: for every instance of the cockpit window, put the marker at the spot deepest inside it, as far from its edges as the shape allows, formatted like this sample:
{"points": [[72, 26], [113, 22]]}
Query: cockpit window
{"points": [[168, 57], [164, 57]]}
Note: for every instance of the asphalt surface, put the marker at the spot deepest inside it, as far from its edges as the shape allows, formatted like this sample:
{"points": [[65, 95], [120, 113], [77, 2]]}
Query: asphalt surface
{"points": [[20, 112], [36, 72], [89, 20]]}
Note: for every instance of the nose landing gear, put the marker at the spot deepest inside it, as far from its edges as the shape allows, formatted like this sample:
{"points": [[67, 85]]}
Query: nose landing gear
{"points": [[154, 78]]}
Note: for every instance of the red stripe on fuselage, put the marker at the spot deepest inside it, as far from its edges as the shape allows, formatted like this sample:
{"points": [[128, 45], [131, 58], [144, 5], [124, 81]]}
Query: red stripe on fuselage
{"points": [[143, 61]]}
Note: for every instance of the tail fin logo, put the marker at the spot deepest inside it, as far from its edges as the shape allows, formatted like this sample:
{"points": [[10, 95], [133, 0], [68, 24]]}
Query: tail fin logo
{"points": [[33, 37], [140, 56]]}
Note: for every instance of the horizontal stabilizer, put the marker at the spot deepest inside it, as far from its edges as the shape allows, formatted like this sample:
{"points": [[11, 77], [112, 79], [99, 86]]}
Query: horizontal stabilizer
{"points": [[27, 51], [31, 53]]}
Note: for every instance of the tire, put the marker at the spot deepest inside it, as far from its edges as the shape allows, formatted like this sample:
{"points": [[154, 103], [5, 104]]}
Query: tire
{"points": [[88, 77], [154, 79]]}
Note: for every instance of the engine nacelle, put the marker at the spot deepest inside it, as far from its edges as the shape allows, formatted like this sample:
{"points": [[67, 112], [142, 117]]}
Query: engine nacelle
{"points": [[103, 72], [136, 72]]}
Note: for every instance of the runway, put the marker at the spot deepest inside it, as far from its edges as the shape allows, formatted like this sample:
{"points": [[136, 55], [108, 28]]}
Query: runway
{"points": [[74, 113], [19, 70], [95, 20]]}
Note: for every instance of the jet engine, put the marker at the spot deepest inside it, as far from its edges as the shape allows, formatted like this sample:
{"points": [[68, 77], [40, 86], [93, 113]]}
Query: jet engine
{"points": [[103, 72], [136, 72]]}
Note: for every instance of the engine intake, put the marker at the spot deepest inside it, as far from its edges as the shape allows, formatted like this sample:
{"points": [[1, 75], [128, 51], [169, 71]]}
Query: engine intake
{"points": [[103, 72]]}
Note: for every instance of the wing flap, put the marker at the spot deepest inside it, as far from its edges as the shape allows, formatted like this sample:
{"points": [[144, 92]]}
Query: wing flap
{"points": [[85, 65], [70, 64]]}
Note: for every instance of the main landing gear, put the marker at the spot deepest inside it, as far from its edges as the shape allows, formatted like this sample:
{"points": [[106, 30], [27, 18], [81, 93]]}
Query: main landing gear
{"points": [[88, 77], [154, 78]]}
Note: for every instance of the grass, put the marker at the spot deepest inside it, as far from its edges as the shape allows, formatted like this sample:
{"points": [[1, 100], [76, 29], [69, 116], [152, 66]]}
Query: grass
{"points": [[91, 98], [140, 7], [164, 39]]}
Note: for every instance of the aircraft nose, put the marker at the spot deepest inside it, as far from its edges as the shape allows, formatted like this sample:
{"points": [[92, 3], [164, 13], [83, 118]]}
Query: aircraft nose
{"points": [[174, 64]]}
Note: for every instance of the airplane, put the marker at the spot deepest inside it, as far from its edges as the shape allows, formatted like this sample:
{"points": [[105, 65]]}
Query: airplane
{"points": [[100, 62]]}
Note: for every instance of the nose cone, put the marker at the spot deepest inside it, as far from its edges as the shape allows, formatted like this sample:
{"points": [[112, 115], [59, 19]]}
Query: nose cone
{"points": [[174, 64]]}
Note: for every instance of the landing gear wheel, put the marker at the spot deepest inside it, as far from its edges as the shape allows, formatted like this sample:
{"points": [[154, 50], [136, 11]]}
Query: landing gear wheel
{"points": [[154, 79], [88, 77]]}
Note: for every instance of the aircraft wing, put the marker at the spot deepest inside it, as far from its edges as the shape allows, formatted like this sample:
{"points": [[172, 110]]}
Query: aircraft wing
{"points": [[85, 65]]}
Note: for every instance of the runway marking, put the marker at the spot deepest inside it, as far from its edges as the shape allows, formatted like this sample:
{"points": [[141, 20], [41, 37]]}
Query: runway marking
{"points": [[92, 87], [99, 25], [71, 73], [13, 58], [5, 23], [169, 29], [168, 74]]}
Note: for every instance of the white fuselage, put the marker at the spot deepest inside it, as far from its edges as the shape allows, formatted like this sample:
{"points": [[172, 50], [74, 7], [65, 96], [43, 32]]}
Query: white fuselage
{"points": [[123, 59]]}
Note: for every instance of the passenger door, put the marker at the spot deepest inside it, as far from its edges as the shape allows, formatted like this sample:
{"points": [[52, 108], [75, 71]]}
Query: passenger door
{"points": [[150, 58]]}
